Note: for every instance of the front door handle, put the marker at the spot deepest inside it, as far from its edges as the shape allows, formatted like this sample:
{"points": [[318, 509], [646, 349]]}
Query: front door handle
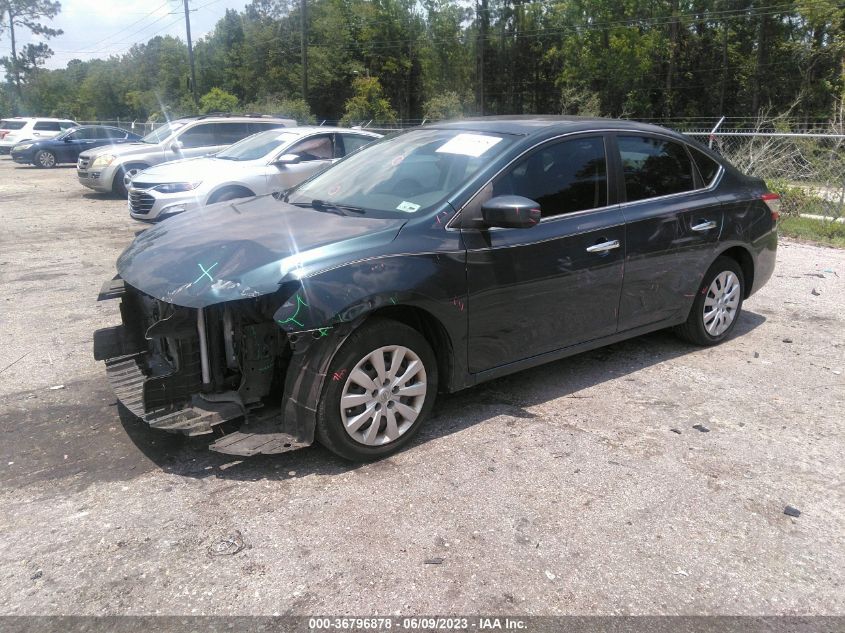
{"points": [[704, 226], [603, 247]]}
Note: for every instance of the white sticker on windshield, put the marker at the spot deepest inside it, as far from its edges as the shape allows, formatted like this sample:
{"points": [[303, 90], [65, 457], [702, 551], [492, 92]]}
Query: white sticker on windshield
{"points": [[469, 144], [410, 207]]}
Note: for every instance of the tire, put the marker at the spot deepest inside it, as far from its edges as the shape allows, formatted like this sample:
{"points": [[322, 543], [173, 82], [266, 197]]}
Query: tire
{"points": [[45, 159], [232, 193], [122, 176], [717, 304], [356, 438]]}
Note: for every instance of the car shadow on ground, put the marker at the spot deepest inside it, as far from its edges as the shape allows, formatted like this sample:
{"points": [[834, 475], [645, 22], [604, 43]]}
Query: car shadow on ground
{"points": [[512, 396], [37, 168]]}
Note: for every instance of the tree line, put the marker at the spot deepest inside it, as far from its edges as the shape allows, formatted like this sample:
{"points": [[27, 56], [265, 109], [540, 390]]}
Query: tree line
{"points": [[413, 59]]}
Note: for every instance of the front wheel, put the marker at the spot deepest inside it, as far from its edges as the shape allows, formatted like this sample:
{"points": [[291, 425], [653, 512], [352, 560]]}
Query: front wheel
{"points": [[123, 178], [717, 305], [379, 389], [45, 159]]}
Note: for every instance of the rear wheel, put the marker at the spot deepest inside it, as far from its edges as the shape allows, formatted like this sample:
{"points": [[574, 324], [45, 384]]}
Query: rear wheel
{"points": [[379, 390], [717, 305], [45, 159]]}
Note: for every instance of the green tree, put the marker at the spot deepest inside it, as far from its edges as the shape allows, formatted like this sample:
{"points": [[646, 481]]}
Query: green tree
{"points": [[27, 14], [279, 105], [368, 103], [446, 105], [216, 100]]}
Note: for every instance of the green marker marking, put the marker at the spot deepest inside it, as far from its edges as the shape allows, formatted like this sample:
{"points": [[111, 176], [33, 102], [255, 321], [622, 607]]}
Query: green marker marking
{"points": [[292, 318], [205, 273]]}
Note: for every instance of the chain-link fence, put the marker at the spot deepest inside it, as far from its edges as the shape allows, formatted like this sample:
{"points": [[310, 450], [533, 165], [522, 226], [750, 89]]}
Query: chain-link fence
{"points": [[807, 169], [138, 127]]}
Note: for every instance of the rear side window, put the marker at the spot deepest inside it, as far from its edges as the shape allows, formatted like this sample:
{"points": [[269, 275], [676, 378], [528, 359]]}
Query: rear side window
{"points": [[654, 167], [228, 133], [565, 177], [11, 125], [707, 167], [47, 126]]}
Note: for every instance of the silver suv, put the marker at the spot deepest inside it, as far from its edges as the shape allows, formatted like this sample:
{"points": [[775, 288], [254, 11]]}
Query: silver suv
{"points": [[110, 169]]}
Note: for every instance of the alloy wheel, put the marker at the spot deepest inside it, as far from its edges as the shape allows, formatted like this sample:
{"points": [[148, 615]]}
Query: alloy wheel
{"points": [[46, 159], [128, 175], [383, 395], [721, 302]]}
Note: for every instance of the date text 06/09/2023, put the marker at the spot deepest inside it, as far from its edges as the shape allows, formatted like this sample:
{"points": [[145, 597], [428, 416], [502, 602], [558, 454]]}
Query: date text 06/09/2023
{"points": [[418, 623]]}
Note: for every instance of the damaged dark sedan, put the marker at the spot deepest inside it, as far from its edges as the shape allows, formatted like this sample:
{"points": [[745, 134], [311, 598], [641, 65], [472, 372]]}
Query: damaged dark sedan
{"points": [[428, 262]]}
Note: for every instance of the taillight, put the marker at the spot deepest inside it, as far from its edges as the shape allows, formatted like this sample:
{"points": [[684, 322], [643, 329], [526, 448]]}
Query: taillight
{"points": [[772, 201]]}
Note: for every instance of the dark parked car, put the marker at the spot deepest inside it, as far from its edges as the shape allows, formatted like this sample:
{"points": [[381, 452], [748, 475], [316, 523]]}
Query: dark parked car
{"points": [[66, 147], [433, 260]]}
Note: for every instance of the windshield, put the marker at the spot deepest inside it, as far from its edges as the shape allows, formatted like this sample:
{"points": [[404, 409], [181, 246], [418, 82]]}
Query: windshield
{"points": [[409, 173], [257, 146], [161, 133]]}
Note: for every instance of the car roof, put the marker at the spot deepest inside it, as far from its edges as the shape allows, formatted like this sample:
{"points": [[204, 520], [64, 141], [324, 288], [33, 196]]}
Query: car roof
{"points": [[529, 125], [302, 130], [239, 118], [33, 118]]}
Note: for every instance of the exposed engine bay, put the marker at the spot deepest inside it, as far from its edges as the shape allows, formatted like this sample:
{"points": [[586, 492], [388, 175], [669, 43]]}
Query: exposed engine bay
{"points": [[189, 370]]}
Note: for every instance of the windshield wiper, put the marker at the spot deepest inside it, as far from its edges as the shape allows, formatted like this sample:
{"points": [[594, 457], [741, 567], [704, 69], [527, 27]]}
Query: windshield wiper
{"points": [[329, 207]]}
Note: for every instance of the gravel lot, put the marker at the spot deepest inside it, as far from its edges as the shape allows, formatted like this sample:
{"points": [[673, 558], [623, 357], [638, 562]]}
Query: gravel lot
{"points": [[577, 488]]}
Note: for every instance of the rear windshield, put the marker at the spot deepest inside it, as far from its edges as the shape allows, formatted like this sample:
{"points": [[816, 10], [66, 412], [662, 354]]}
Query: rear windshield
{"points": [[11, 125]]}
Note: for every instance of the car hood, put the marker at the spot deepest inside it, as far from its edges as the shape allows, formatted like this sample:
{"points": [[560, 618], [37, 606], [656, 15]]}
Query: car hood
{"points": [[124, 149], [47, 142], [239, 249], [192, 169]]}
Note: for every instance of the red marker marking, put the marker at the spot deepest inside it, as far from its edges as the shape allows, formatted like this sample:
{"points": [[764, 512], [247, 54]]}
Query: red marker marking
{"points": [[338, 375]]}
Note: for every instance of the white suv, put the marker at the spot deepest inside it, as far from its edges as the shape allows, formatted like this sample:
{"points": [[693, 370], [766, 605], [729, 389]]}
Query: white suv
{"points": [[19, 129]]}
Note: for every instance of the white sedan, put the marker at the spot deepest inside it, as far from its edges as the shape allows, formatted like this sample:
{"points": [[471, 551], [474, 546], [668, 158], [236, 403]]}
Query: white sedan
{"points": [[266, 162]]}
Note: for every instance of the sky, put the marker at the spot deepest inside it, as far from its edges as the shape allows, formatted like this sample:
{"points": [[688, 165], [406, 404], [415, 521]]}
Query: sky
{"points": [[98, 28]]}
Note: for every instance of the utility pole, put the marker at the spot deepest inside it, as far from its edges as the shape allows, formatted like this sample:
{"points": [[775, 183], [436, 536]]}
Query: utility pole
{"points": [[191, 54], [303, 19], [483, 20]]}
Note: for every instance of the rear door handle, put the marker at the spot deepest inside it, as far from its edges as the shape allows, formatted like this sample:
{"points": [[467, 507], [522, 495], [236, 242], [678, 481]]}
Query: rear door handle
{"points": [[603, 247], [704, 226]]}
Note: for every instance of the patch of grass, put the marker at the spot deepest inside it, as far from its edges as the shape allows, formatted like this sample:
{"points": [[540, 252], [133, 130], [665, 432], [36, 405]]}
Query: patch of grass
{"points": [[830, 233]]}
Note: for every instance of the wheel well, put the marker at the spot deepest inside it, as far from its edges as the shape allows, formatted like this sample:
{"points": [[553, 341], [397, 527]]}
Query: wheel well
{"points": [[130, 165], [122, 169], [226, 188], [433, 331], [746, 263]]}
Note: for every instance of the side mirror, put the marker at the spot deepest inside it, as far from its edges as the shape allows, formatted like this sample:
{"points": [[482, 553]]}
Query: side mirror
{"points": [[511, 212], [176, 146], [287, 159]]}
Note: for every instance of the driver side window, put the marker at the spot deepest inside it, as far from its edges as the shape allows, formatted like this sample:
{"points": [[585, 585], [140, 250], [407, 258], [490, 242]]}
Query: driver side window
{"points": [[198, 136], [563, 177], [314, 148], [84, 134]]}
